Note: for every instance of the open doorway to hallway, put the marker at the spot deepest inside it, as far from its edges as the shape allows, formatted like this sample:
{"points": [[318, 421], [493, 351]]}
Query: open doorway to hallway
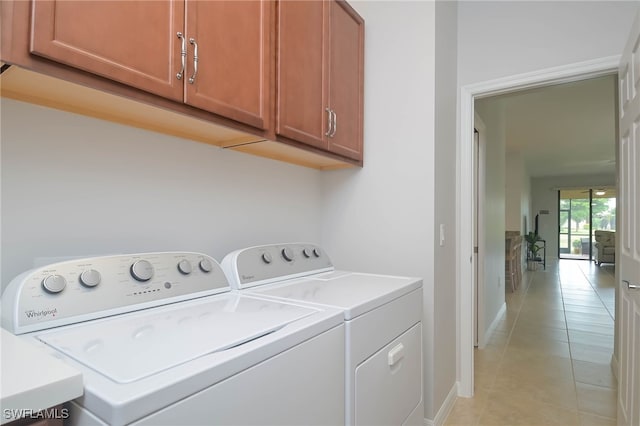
{"points": [[540, 141]]}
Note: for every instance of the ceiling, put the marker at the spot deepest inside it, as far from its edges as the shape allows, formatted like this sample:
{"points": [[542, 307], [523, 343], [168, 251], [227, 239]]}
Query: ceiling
{"points": [[566, 129], [598, 192]]}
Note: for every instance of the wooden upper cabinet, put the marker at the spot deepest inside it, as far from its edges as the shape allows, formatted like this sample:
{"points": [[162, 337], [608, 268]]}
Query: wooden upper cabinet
{"points": [[289, 71], [346, 83], [320, 75], [137, 43], [301, 74], [133, 42], [234, 54]]}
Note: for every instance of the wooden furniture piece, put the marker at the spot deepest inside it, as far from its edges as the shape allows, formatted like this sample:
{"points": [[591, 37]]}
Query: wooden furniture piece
{"points": [[320, 75], [208, 68], [513, 260]]}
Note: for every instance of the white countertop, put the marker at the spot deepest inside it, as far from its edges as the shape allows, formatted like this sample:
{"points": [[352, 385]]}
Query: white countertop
{"points": [[31, 379]]}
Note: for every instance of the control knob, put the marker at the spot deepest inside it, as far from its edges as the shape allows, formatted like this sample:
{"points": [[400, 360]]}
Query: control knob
{"points": [[306, 252], [205, 265], [287, 254], [184, 266], [54, 283], [316, 252], [266, 258], [90, 278], [142, 270]]}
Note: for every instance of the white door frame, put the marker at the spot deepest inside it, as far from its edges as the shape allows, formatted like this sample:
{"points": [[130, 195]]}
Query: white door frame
{"points": [[464, 187], [479, 289]]}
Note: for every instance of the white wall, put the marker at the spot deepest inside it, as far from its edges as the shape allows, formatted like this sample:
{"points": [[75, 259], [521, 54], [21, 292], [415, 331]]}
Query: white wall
{"points": [[445, 201], [545, 197], [517, 193], [498, 39], [492, 158], [381, 218], [73, 185]]}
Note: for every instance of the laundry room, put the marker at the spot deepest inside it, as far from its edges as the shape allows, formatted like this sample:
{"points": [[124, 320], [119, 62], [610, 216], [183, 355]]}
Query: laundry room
{"points": [[76, 186]]}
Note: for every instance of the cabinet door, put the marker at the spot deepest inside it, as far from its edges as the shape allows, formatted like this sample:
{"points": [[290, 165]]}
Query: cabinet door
{"points": [[234, 52], [133, 42], [301, 75], [346, 80]]}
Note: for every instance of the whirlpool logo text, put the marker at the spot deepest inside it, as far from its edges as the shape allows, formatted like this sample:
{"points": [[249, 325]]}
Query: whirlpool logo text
{"points": [[43, 313]]}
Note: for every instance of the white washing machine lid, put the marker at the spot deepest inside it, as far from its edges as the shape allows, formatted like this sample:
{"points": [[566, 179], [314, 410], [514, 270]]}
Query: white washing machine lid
{"points": [[131, 347], [355, 293]]}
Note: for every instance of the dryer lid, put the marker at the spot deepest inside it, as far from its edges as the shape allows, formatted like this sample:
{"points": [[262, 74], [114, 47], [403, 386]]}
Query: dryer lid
{"points": [[134, 346], [355, 293]]}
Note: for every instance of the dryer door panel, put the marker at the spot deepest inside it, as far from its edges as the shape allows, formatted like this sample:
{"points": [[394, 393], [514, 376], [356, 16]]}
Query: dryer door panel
{"points": [[388, 385]]}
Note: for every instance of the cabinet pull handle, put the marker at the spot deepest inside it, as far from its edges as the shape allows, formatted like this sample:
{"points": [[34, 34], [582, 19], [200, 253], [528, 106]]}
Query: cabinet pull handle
{"points": [[631, 286], [335, 124], [195, 60], [329, 122], [183, 55]]}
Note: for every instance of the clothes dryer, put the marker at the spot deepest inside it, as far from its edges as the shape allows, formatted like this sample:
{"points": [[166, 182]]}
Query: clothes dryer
{"points": [[382, 315]]}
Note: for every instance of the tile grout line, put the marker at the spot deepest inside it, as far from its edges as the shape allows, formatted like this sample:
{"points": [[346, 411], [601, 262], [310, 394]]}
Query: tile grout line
{"points": [[529, 279], [566, 323], [598, 293], [575, 381]]}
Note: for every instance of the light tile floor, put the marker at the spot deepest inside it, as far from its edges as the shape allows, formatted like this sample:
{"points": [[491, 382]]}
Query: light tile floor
{"points": [[548, 362]]}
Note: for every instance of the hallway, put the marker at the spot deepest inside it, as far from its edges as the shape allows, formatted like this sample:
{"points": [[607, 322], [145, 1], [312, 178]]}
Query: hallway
{"points": [[548, 362]]}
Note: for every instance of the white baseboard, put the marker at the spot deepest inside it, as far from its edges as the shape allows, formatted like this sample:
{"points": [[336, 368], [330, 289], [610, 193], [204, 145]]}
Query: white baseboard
{"points": [[445, 408], [614, 366]]}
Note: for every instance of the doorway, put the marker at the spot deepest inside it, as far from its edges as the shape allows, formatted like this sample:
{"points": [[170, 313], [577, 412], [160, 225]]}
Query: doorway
{"points": [[574, 230], [582, 212], [468, 94]]}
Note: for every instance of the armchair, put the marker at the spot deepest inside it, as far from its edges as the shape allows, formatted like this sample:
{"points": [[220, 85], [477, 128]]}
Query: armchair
{"points": [[605, 247]]}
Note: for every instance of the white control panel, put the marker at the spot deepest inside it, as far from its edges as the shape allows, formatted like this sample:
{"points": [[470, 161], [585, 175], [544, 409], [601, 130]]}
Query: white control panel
{"points": [[263, 264], [84, 289]]}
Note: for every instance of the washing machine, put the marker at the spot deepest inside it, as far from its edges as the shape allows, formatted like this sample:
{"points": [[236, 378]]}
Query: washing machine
{"points": [[382, 316], [161, 339]]}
